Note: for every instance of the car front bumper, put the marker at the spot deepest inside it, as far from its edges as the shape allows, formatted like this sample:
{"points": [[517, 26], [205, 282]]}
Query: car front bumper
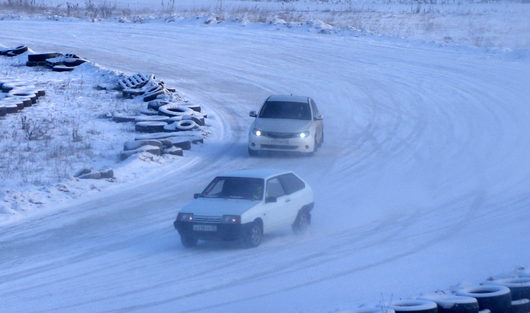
{"points": [[264, 143], [222, 231]]}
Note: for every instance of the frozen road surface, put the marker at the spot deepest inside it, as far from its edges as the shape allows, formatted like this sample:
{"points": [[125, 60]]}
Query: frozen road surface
{"points": [[422, 183]]}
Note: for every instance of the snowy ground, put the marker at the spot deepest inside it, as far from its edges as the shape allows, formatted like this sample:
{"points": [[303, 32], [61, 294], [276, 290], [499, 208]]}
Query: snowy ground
{"points": [[422, 182]]}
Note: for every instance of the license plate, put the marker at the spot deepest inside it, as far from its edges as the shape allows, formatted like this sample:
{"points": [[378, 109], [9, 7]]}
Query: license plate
{"points": [[281, 141], [205, 227]]}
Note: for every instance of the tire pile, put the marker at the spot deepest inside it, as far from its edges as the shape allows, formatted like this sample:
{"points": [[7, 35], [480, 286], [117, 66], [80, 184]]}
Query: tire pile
{"points": [[506, 295], [57, 62], [17, 95], [165, 117], [11, 52]]}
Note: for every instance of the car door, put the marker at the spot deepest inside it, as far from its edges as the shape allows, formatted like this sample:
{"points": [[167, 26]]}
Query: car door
{"points": [[278, 210], [294, 188]]}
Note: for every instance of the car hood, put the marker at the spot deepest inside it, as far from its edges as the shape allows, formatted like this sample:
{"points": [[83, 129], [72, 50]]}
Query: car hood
{"points": [[282, 125], [218, 206]]}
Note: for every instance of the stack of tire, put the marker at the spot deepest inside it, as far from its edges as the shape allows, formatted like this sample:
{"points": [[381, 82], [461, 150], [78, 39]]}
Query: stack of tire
{"points": [[506, 295], [11, 52], [17, 95], [57, 62], [163, 112]]}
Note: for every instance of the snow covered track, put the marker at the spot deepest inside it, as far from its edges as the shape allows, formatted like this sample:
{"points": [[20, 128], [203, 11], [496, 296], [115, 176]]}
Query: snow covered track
{"points": [[422, 181]]}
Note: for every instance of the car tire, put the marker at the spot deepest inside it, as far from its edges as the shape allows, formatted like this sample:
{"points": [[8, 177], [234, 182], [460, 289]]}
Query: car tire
{"points": [[253, 153], [188, 241], [321, 139], [302, 222], [253, 235], [495, 298]]}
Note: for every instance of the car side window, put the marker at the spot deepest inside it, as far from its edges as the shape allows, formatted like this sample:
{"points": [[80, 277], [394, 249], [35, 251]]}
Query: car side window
{"points": [[291, 183], [274, 188]]}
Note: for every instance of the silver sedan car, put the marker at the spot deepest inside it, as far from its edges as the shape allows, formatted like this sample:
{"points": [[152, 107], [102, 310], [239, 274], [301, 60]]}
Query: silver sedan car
{"points": [[286, 123]]}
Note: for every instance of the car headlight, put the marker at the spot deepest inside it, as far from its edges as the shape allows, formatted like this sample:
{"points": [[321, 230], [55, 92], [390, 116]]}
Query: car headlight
{"points": [[185, 217], [231, 219], [304, 134], [256, 132]]}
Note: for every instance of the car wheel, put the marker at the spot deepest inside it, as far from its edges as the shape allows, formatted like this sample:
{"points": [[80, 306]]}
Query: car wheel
{"points": [[188, 241], [253, 235], [302, 222], [321, 139], [253, 152]]}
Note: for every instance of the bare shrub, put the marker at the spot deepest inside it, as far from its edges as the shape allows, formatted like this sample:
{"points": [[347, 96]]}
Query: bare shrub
{"points": [[35, 129]]}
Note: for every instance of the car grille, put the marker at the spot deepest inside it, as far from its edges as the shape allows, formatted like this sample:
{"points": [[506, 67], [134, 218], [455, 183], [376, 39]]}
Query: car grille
{"points": [[282, 147], [280, 135], [207, 219]]}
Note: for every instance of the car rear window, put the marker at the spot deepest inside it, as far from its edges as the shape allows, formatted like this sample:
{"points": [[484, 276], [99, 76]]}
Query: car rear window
{"points": [[291, 183]]}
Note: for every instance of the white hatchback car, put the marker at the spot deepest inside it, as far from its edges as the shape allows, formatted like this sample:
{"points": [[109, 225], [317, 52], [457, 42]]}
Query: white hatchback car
{"points": [[286, 123], [244, 205]]}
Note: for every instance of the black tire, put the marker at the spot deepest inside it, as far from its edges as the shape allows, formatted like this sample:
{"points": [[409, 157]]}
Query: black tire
{"points": [[26, 101], [175, 110], [519, 286], [520, 306], [302, 222], [415, 306], [11, 108], [495, 298], [150, 127], [42, 57], [123, 118], [61, 68], [179, 143], [155, 104], [3, 110], [185, 125], [253, 153], [16, 51], [253, 235], [454, 304], [188, 241], [72, 62]]}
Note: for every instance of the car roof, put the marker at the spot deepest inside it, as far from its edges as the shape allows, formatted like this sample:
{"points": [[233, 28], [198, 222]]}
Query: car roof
{"points": [[288, 98], [255, 173]]}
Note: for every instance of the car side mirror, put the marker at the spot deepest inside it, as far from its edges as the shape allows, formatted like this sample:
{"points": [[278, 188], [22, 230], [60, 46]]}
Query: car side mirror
{"points": [[253, 114], [319, 117], [196, 195], [271, 199]]}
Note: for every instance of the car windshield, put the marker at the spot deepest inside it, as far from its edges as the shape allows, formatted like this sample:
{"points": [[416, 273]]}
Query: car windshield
{"points": [[286, 110], [234, 188]]}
